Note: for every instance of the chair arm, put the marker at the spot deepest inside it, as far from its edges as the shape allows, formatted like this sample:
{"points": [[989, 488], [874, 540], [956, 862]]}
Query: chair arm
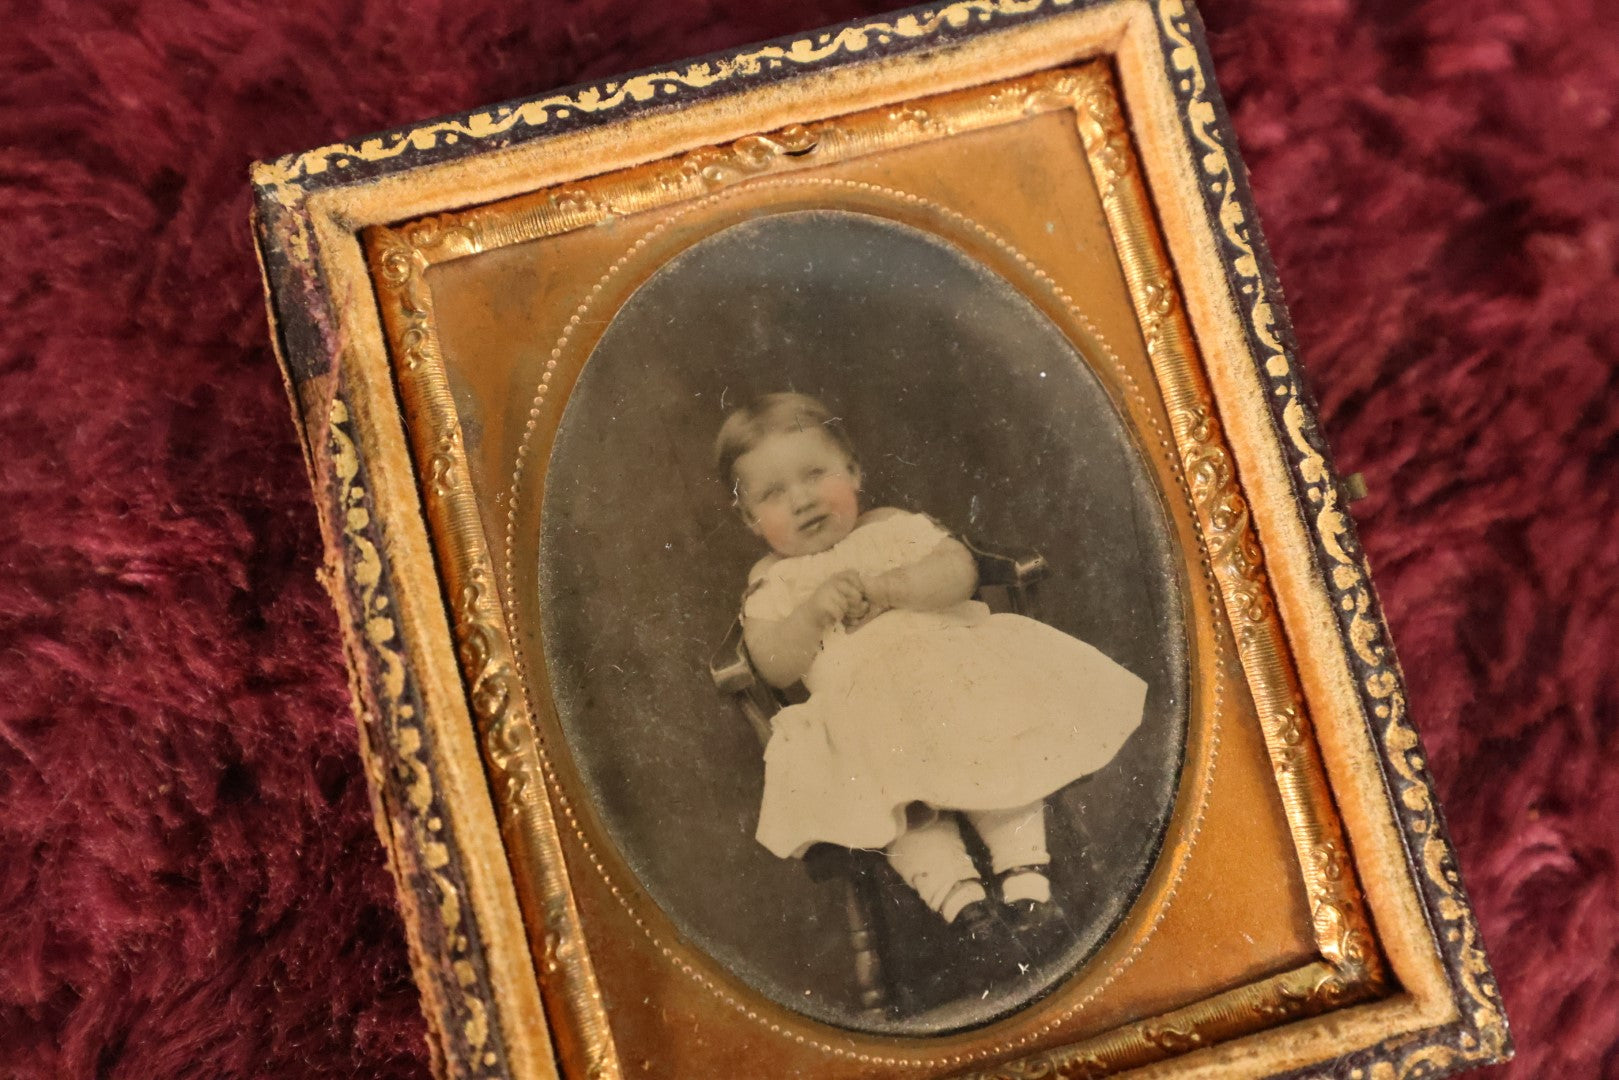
{"points": [[1010, 571], [1006, 582], [1029, 569], [733, 674], [731, 669]]}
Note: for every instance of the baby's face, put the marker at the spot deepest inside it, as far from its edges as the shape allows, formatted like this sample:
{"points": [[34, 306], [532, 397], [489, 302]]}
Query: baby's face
{"points": [[799, 491]]}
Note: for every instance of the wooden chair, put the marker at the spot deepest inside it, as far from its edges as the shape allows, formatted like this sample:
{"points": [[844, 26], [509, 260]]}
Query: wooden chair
{"points": [[1005, 583]]}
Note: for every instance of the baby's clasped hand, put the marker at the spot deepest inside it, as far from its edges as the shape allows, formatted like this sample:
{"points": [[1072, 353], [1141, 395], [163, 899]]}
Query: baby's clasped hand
{"points": [[840, 598], [879, 590]]}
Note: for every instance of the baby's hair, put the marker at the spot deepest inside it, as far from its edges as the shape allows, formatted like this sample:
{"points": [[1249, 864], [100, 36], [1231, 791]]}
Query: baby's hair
{"points": [[774, 414]]}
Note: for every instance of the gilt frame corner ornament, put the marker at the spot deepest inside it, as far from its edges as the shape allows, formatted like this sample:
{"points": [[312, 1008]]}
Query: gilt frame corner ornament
{"points": [[419, 586]]}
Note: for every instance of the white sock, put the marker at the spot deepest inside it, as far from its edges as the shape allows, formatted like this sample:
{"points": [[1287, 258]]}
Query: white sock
{"points": [[1026, 885], [965, 892], [932, 859], [1017, 837]]}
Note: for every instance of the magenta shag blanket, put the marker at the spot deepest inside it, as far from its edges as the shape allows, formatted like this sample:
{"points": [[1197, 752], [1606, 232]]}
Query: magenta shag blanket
{"points": [[190, 885]]}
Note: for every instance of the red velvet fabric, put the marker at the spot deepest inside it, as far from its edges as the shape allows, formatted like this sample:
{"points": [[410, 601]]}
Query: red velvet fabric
{"points": [[189, 881]]}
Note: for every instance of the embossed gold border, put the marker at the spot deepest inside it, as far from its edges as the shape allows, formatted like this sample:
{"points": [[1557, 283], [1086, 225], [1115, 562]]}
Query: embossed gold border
{"points": [[499, 699], [1341, 929], [398, 726], [1489, 1039], [918, 25], [1350, 969], [307, 252]]}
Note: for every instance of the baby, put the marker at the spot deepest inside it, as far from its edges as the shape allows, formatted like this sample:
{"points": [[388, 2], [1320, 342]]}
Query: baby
{"points": [[920, 700]]}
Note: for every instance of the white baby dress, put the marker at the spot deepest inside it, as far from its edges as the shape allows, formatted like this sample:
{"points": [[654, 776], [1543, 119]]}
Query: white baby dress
{"points": [[958, 709]]}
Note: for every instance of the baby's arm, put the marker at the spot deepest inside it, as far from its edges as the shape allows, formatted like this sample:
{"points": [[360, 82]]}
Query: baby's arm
{"points": [[782, 650], [945, 576]]}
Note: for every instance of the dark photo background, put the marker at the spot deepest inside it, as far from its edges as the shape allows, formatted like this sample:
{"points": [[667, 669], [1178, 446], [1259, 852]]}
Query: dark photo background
{"points": [[190, 884], [962, 401]]}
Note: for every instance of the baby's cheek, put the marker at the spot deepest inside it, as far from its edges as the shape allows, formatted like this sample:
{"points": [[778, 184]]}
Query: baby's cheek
{"points": [[777, 530], [840, 496]]}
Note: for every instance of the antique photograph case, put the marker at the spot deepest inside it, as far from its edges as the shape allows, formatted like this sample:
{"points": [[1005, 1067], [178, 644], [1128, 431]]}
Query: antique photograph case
{"points": [[842, 579]]}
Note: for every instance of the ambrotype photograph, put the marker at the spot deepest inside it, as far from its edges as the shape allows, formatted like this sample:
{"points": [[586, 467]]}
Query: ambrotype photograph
{"points": [[863, 622]]}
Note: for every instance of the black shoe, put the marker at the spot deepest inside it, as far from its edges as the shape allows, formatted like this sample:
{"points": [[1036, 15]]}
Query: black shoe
{"points": [[979, 927], [1038, 925], [986, 950]]}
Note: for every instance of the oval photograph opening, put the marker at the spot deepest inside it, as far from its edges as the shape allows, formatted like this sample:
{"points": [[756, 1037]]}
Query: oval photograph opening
{"points": [[862, 615]]}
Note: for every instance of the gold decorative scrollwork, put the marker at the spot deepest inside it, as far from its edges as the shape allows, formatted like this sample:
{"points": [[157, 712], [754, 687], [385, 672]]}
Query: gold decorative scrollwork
{"points": [[1158, 302], [1289, 996], [1173, 1038], [504, 120], [1489, 1038], [402, 731], [399, 261], [750, 155], [499, 707], [1342, 931], [441, 467], [1233, 547], [1107, 139], [507, 734], [916, 120], [1031, 1069]]}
